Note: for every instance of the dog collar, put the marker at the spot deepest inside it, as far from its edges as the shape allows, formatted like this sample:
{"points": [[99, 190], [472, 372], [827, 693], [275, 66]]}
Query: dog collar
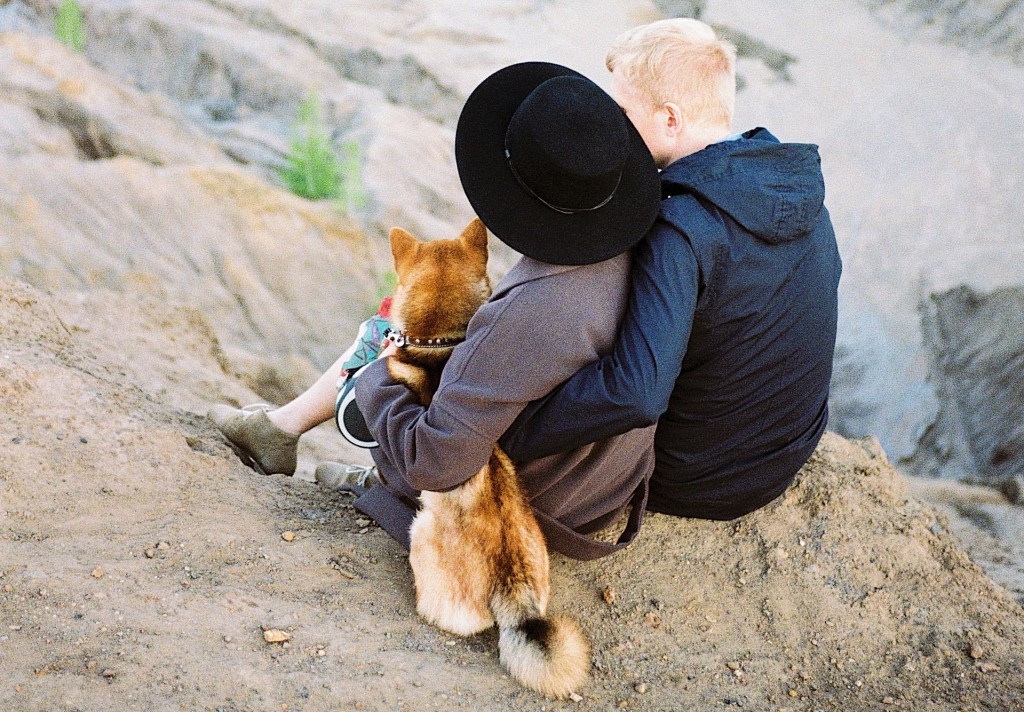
{"points": [[400, 339]]}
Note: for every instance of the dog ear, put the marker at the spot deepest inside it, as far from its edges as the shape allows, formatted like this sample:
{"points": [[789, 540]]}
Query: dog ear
{"points": [[474, 239], [403, 249]]}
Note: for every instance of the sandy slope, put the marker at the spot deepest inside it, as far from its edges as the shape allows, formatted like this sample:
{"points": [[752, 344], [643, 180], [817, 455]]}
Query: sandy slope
{"points": [[139, 560], [845, 594]]}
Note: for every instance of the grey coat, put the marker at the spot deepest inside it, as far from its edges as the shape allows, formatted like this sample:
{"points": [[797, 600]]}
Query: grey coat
{"points": [[542, 324]]}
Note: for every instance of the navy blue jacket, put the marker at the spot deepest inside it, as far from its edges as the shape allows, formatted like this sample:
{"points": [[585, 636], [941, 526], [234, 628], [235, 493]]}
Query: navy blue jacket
{"points": [[728, 339]]}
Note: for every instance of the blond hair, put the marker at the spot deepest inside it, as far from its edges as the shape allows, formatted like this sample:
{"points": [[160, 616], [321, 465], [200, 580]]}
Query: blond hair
{"points": [[681, 61]]}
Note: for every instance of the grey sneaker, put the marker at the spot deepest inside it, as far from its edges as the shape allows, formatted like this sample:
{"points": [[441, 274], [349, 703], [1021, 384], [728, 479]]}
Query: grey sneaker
{"points": [[336, 475], [271, 451]]}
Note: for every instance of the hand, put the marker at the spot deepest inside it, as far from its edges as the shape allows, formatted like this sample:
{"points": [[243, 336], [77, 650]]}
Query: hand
{"points": [[390, 350]]}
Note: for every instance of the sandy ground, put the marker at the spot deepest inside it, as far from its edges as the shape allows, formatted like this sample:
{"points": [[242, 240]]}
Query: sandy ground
{"points": [[141, 562]]}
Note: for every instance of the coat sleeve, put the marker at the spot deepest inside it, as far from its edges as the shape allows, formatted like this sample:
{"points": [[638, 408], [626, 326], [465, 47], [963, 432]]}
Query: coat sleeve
{"points": [[629, 388], [505, 363]]}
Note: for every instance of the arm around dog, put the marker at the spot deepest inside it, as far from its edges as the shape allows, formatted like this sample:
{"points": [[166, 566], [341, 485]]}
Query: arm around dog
{"points": [[522, 344], [428, 448]]}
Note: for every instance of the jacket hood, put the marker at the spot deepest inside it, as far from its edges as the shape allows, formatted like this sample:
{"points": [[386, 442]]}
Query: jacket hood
{"points": [[774, 190]]}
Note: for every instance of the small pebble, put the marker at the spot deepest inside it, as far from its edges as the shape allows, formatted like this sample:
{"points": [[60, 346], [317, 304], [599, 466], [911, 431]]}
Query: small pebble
{"points": [[288, 536], [977, 652], [888, 701], [641, 688], [109, 674], [150, 553], [83, 440], [575, 697], [275, 635], [733, 666], [98, 572], [608, 594]]}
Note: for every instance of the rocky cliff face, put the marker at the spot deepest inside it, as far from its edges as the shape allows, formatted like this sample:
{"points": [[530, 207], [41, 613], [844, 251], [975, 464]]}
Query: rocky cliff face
{"points": [[125, 167], [996, 26], [976, 343]]}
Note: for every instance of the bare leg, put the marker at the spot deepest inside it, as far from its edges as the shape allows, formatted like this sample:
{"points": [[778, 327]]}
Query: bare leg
{"points": [[313, 407]]}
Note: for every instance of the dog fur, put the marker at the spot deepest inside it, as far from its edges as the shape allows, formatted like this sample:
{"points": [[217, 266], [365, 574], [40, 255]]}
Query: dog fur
{"points": [[477, 554]]}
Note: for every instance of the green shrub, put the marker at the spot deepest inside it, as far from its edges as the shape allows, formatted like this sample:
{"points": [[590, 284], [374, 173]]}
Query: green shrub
{"points": [[352, 196], [69, 26], [311, 169]]}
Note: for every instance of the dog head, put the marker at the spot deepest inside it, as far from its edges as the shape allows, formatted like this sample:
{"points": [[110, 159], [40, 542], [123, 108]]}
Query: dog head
{"points": [[441, 283]]}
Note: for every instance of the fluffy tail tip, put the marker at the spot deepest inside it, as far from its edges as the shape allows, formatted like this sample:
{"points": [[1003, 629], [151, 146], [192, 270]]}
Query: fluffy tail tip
{"points": [[550, 655]]}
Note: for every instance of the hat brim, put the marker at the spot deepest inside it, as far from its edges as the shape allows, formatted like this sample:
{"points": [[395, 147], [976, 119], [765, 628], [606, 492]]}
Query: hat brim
{"points": [[520, 220]]}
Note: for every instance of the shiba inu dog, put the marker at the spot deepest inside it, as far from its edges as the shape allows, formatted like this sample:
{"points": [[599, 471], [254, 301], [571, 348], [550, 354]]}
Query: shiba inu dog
{"points": [[477, 554]]}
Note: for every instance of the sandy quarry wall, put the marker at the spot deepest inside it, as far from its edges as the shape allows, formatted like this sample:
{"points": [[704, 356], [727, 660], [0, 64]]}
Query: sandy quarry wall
{"points": [[916, 106]]}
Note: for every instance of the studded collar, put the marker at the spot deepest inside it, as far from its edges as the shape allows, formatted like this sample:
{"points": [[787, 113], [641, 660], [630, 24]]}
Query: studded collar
{"points": [[402, 340]]}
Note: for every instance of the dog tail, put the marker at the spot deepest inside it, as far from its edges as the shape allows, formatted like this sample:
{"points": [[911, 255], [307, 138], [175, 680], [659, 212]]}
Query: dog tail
{"points": [[550, 655]]}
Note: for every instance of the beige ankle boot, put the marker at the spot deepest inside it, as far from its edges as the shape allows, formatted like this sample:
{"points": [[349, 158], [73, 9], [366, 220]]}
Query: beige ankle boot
{"points": [[334, 475], [272, 451]]}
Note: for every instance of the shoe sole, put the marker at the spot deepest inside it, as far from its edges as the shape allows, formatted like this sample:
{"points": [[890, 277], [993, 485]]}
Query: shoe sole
{"points": [[246, 459]]}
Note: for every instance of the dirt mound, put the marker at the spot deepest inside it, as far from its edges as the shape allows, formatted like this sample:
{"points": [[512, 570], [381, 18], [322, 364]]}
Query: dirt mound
{"points": [[141, 563]]}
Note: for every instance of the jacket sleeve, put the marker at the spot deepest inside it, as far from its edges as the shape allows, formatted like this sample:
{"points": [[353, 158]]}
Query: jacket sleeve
{"points": [[629, 388], [485, 385]]}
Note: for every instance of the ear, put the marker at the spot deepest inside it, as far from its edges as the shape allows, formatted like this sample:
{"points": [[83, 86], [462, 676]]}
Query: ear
{"points": [[403, 249], [474, 240], [672, 119]]}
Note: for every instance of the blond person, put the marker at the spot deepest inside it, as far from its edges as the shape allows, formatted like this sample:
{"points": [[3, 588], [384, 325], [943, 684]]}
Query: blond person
{"points": [[728, 339]]}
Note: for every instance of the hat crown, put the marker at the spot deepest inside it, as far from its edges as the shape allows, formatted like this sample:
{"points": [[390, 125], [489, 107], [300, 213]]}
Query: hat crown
{"points": [[567, 144]]}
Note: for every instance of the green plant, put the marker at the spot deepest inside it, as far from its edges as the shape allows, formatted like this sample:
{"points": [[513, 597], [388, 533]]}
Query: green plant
{"points": [[69, 26], [311, 169], [352, 196]]}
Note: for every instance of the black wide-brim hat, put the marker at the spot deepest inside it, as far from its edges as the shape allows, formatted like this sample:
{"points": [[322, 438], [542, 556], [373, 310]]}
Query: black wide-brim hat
{"points": [[553, 166]]}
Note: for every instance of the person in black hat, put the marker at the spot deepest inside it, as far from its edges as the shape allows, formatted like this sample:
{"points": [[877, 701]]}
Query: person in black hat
{"points": [[555, 170]]}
